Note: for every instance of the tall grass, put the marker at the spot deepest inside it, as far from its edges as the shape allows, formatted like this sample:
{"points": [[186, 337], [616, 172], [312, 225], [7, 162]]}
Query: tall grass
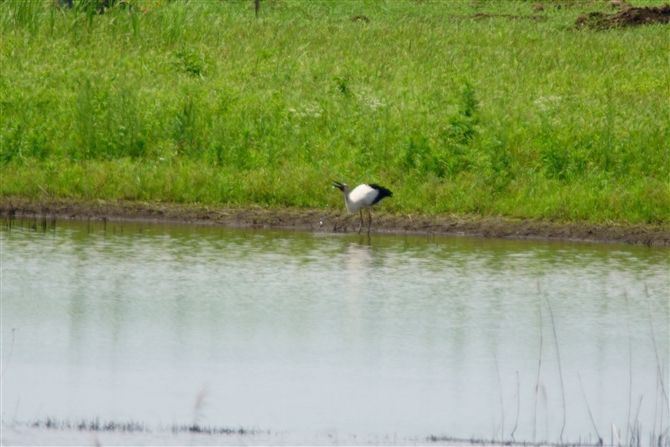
{"points": [[201, 102]]}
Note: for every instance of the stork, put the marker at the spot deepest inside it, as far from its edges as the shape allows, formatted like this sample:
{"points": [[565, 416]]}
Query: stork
{"points": [[363, 196]]}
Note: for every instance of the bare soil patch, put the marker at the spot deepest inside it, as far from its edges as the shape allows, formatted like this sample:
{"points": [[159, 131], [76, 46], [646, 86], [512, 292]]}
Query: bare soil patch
{"points": [[46, 214], [626, 17]]}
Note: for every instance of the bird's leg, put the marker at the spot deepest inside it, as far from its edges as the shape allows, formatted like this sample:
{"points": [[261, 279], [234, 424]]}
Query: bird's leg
{"points": [[361, 224], [369, 221]]}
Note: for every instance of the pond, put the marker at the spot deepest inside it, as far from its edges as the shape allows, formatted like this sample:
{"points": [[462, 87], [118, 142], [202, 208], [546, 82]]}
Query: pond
{"points": [[314, 333]]}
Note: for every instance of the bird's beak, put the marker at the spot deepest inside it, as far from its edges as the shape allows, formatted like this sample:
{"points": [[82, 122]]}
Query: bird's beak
{"points": [[338, 185]]}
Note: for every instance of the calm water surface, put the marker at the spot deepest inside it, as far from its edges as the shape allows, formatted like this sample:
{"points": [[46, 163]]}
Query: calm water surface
{"points": [[319, 332]]}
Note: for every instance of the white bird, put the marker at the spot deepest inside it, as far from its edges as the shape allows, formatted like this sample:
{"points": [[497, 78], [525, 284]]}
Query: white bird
{"points": [[363, 196]]}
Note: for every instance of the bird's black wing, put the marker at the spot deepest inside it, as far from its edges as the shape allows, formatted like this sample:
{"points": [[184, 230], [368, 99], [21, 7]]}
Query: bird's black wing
{"points": [[383, 192]]}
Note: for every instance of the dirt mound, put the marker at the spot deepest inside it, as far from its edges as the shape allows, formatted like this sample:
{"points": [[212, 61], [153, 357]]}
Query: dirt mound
{"points": [[626, 17], [361, 18]]}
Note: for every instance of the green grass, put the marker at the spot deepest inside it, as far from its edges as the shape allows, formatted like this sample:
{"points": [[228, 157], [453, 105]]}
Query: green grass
{"points": [[199, 102]]}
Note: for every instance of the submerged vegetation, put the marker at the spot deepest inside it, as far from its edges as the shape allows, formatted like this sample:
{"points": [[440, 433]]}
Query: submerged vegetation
{"points": [[133, 427], [487, 108]]}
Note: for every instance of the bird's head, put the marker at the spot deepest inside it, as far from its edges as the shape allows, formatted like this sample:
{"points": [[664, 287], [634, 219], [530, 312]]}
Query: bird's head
{"points": [[341, 186]]}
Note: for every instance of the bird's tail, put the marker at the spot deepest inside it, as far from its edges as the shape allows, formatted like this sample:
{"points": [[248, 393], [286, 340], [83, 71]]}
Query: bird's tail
{"points": [[383, 192]]}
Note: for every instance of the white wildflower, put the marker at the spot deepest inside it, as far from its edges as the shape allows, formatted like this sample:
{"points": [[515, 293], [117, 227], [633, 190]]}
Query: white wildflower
{"points": [[546, 103]]}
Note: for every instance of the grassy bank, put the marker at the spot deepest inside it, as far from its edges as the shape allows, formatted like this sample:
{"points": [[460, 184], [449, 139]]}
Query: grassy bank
{"points": [[201, 102]]}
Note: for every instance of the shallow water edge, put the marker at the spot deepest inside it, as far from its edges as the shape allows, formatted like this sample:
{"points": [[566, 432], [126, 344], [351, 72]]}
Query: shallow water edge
{"points": [[49, 211], [88, 433]]}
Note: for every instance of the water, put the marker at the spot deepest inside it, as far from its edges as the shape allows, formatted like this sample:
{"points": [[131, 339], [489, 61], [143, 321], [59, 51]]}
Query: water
{"points": [[323, 333]]}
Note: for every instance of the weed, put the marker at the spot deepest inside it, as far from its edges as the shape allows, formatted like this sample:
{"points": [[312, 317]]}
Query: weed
{"points": [[459, 108]]}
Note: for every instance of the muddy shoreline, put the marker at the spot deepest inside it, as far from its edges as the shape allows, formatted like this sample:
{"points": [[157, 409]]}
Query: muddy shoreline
{"points": [[45, 212]]}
